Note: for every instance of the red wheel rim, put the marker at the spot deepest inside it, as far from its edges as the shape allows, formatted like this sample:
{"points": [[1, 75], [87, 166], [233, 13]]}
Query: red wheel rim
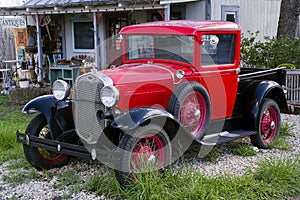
{"points": [[147, 149], [48, 156], [269, 124], [193, 112]]}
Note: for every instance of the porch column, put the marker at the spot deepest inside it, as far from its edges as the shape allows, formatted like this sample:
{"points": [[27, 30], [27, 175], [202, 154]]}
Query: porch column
{"points": [[96, 41], [39, 47], [167, 12]]}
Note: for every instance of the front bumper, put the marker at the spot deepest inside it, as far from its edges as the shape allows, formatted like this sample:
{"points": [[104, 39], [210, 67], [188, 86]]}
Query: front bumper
{"points": [[107, 156]]}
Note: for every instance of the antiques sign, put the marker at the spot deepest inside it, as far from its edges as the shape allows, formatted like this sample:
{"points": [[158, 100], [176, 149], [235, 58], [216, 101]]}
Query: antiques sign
{"points": [[13, 22]]}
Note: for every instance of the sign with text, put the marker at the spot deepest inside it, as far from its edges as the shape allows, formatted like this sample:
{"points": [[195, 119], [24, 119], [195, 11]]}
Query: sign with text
{"points": [[13, 22]]}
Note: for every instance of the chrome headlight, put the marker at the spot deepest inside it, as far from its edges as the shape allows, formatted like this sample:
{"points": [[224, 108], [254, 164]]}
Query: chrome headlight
{"points": [[60, 89], [109, 96]]}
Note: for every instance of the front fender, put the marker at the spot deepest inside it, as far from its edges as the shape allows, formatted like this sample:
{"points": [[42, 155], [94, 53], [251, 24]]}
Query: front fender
{"points": [[137, 116], [48, 106], [179, 136]]}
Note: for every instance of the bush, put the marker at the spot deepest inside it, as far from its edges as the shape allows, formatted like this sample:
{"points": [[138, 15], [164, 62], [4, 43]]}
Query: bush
{"points": [[271, 53]]}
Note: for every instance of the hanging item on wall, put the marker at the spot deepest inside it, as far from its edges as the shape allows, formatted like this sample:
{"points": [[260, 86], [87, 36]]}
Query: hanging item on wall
{"points": [[45, 22]]}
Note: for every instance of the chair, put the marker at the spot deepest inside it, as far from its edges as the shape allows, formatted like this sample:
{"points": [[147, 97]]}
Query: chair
{"points": [[55, 58]]}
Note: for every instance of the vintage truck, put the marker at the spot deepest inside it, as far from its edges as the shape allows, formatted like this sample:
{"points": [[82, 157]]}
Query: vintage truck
{"points": [[180, 83]]}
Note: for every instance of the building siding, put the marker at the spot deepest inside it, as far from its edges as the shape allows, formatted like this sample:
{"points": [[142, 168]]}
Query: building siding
{"points": [[254, 15]]}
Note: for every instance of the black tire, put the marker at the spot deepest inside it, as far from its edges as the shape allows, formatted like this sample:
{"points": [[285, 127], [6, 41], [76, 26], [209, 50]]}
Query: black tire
{"points": [[153, 142], [40, 158], [268, 124], [196, 122]]}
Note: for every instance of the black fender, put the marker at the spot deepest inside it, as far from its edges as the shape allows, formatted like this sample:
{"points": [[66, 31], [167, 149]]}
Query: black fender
{"points": [[57, 113], [139, 116], [254, 93]]}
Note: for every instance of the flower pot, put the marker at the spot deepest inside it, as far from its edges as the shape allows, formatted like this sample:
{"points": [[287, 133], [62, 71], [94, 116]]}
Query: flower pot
{"points": [[24, 84]]}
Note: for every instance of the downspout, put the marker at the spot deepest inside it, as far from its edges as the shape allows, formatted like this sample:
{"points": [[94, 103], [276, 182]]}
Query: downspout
{"points": [[39, 46], [96, 41], [208, 9]]}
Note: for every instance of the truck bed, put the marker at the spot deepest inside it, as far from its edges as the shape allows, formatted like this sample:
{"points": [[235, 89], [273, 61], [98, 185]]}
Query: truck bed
{"points": [[287, 78], [277, 75]]}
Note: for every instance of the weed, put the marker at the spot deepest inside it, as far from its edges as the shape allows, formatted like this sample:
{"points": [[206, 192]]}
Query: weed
{"points": [[280, 142], [242, 149], [18, 164], [104, 184], [274, 179], [18, 177], [213, 155], [286, 129], [67, 178]]}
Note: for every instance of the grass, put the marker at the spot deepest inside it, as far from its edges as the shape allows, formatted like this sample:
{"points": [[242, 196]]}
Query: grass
{"points": [[242, 149], [274, 179], [11, 120], [281, 142]]}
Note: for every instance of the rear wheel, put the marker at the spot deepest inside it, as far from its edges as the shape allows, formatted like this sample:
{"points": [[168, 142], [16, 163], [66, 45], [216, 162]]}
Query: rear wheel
{"points": [[41, 158], [147, 149], [268, 125]]}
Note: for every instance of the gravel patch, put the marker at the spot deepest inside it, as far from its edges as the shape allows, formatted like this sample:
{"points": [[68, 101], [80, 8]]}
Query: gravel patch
{"points": [[45, 186]]}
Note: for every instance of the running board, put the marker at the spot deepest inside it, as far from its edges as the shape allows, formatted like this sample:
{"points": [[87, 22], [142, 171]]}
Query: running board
{"points": [[220, 138]]}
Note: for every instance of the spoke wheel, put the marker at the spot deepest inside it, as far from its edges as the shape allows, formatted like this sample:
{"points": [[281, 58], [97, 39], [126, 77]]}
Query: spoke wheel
{"points": [[192, 112], [268, 125], [146, 149], [189, 103], [38, 157]]}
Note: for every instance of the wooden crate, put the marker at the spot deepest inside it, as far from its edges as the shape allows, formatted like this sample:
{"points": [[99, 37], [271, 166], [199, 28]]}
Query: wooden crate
{"points": [[292, 86]]}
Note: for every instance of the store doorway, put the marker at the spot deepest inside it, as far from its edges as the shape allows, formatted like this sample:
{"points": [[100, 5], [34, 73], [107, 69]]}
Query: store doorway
{"points": [[114, 23]]}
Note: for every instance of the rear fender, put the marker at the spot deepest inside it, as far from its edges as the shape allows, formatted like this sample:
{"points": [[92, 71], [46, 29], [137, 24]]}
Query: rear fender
{"points": [[256, 93], [52, 110]]}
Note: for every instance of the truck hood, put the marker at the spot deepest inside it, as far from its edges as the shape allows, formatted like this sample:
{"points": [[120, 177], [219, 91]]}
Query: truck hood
{"points": [[137, 73]]}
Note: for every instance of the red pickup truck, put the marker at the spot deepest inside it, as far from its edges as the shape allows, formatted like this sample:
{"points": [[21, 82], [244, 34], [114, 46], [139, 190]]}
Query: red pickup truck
{"points": [[180, 82]]}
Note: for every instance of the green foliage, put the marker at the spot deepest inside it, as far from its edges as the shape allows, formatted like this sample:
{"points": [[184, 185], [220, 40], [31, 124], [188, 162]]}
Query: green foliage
{"points": [[281, 141], [68, 178], [271, 53], [11, 120], [17, 177], [104, 184], [242, 149], [273, 179], [213, 155]]}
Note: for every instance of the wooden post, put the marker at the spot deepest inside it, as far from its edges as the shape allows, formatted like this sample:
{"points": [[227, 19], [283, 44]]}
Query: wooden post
{"points": [[39, 46]]}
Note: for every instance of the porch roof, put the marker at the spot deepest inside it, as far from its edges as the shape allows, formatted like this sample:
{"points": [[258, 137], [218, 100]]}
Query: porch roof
{"points": [[78, 6]]}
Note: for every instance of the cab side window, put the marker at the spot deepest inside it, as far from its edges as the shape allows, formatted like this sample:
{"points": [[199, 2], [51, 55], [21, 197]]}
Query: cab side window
{"points": [[217, 49]]}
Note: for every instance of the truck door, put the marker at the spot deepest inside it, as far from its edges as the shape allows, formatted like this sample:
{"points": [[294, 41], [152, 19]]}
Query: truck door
{"points": [[218, 63]]}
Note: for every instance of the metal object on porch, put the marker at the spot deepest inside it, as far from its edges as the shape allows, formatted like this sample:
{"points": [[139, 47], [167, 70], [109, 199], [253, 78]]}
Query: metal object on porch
{"points": [[292, 86]]}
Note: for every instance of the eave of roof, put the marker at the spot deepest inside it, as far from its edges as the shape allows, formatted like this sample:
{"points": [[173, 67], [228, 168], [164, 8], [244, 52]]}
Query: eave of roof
{"points": [[78, 6]]}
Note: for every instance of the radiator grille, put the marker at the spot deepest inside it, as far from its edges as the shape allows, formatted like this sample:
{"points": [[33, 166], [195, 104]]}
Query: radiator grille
{"points": [[86, 105]]}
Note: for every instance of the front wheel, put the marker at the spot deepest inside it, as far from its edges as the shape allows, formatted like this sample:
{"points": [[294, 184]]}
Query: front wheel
{"points": [[41, 158], [147, 149], [268, 124]]}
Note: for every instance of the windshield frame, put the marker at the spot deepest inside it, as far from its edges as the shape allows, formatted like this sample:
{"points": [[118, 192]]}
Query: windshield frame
{"points": [[159, 47]]}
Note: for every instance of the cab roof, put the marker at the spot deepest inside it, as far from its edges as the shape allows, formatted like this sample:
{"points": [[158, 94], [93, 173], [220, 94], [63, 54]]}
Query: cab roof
{"points": [[187, 27]]}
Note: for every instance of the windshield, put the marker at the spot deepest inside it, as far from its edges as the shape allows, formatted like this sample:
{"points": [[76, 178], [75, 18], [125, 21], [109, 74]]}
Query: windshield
{"points": [[167, 47]]}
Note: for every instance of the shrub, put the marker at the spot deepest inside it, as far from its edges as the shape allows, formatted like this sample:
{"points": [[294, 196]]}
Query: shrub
{"points": [[271, 53]]}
